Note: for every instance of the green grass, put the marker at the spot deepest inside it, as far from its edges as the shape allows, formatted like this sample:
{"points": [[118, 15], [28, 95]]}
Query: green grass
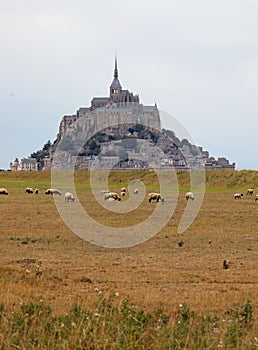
{"points": [[215, 179], [113, 325]]}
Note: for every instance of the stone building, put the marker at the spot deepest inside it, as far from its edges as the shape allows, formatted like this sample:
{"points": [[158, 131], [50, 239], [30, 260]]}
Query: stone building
{"points": [[120, 107], [26, 164]]}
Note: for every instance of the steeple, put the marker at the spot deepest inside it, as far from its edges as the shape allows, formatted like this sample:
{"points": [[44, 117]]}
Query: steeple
{"points": [[115, 88], [115, 70]]}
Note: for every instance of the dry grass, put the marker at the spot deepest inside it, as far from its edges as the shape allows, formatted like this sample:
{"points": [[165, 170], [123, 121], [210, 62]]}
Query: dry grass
{"points": [[157, 273]]}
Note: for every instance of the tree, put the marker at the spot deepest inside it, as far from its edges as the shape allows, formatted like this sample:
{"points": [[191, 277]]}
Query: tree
{"points": [[47, 145], [92, 145], [139, 127], [131, 131]]}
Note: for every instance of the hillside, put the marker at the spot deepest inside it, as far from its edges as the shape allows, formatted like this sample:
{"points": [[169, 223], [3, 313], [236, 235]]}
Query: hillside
{"points": [[127, 146], [223, 179]]}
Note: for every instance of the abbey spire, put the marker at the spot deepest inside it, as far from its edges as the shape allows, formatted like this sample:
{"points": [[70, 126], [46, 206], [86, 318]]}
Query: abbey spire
{"points": [[115, 70], [115, 88]]}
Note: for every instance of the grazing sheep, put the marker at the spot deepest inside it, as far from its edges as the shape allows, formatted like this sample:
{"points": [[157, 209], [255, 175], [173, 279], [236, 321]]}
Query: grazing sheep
{"points": [[53, 191], [136, 191], [154, 196], [36, 191], [256, 198], [28, 190], [250, 192], [122, 193], [238, 195], [123, 189], [69, 197], [3, 191], [189, 196], [113, 195]]}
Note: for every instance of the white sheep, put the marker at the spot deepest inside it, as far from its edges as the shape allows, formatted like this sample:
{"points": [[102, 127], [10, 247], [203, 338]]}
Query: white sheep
{"points": [[53, 191], [28, 190], [3, 191], [155, 196], [256, 198], [238, 195], [250, 192], [36, 191], [135, 191], [113, 195], [68, 197], [122, 193], [189, 196]]}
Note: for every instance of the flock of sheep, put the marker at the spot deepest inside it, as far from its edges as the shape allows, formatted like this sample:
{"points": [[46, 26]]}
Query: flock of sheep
{"points": [[68, 197], [249, 192], [110, 196], [153, 196]]}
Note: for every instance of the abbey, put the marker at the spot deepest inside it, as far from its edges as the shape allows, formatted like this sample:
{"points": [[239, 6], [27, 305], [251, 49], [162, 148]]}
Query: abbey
{"points": [[117, 131], [120, 107]]}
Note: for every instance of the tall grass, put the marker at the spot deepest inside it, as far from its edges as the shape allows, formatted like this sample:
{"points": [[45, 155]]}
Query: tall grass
{"points": [[121, 326]]}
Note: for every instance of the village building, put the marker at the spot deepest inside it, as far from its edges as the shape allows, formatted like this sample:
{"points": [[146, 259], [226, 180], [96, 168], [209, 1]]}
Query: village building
{"points": [[26, 164]]}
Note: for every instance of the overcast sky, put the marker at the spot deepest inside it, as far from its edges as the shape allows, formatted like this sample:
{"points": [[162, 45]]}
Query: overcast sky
{"points": [[198, 60]]}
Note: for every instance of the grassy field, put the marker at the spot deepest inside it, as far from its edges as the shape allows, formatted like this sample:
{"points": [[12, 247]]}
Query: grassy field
{"points": [[157, 274]]}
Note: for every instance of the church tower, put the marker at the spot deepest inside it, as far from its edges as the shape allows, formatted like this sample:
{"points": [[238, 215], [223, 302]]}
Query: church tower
{"points": [[115, 87]]}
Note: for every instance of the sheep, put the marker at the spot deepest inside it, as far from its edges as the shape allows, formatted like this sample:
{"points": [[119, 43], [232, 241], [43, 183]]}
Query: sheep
{"points": [[36, 191], [250, 192], [256, 198], [53, 191], [3, 191], [123, 191], [238, 195], [28, 190], [155, 196], [189, 196], [69, 197], [135, 191], [113, 195]]}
